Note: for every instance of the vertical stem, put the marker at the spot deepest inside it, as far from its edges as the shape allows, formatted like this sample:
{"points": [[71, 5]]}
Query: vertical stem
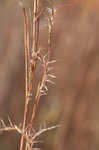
{"points": [[26, 77], [33, 61], [34, 25], [37, 25], [33, 65], [37, 34], [34, 48], [50, 25]]}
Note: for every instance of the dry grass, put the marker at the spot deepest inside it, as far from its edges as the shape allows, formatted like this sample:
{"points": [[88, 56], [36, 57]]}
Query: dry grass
{"points": [[33, 57]]}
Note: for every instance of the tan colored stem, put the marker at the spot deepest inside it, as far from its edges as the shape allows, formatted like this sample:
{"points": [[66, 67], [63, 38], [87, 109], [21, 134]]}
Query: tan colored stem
{"points": [[33, 65], [34, 26], [26, 78]]}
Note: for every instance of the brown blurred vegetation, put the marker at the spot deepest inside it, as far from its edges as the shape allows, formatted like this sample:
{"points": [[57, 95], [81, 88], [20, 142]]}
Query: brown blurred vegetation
{"points": [[74, 100]]}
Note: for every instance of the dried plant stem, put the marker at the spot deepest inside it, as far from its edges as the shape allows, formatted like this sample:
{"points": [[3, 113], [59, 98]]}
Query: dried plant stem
{"points": [[26, 77], [50, 28], [37, 97], [33, 64], [40, 85], [39, 133], [34, 48], [37, 33], [33, 55], [34, 25], [30, 67]]}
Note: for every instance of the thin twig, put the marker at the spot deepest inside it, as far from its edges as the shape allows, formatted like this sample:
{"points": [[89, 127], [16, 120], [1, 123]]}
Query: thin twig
{"points": [[26, 77], [39, 133], [34, 59]]}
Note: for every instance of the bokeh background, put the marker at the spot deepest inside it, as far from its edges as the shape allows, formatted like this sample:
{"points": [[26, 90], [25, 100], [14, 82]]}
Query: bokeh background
{"points": [[74, 100]]}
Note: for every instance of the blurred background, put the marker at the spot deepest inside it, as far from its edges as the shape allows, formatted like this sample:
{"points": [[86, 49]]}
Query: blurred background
{"points": [[74, 100]]}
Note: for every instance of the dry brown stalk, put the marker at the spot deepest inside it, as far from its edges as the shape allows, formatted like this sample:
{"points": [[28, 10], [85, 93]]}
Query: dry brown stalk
{"points": [[42, 85], [32, 57], [44, 62], [26, 76], [29, 74], [45, 66], [34, 25]]}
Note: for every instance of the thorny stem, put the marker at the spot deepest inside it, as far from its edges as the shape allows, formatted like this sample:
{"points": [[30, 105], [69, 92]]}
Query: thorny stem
{"points": [[30, 140], [30, 66], [26, 139], [36, 33], [35, 42], [40, 85]]}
